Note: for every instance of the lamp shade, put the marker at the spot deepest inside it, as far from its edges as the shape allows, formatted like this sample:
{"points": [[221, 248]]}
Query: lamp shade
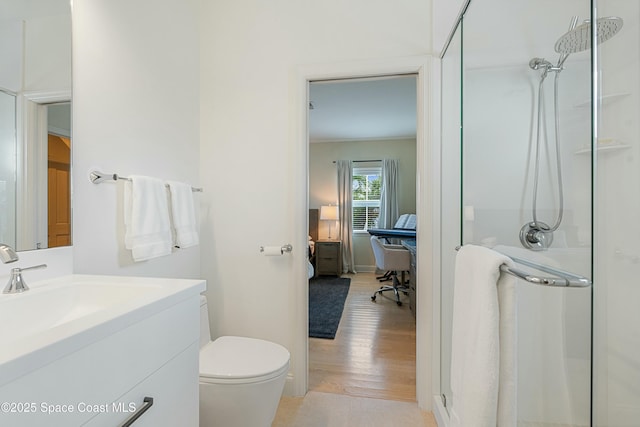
{"points": [[329, 213]]}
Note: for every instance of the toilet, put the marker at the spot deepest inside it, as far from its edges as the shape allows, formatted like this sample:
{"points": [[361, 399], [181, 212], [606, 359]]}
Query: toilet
{"points": [[241, 379]]}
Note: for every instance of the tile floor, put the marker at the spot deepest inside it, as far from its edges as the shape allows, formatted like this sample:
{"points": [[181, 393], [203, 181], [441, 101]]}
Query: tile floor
{"points": [[319, 409]]}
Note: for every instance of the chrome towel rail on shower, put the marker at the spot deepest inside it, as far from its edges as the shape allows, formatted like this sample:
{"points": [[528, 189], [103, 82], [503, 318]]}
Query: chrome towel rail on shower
{"points": [[564, 279], [98, 177]]}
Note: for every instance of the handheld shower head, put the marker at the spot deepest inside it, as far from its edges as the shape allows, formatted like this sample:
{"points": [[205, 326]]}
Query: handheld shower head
{"points": [[537, 63]]}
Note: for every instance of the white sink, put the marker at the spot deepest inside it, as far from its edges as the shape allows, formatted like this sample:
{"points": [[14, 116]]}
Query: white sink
{"points": [[41, 309], [57, 317]]}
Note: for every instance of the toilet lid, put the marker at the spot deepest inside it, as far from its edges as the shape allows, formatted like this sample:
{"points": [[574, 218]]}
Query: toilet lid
{"points": [[229, 358]]}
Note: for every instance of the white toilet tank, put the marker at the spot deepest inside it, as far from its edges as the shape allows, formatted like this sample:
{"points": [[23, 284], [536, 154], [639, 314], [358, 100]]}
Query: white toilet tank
{"points": [[205, 333]]}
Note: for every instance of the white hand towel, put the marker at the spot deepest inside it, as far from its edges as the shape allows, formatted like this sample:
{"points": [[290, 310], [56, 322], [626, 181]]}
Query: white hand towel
{"points": [[146, 218], [483, 356], [183, 215]]}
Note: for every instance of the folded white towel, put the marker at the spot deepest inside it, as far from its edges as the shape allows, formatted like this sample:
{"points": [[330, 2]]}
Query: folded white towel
{"points": [[146, 218], [483, 354], [183, 215]]}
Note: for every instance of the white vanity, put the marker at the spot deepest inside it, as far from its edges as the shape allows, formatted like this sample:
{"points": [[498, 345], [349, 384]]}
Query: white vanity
{"points": [[89, 350]]}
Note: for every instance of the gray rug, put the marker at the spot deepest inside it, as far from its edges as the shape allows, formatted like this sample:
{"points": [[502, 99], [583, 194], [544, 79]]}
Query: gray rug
{"points": [[326, 302]]}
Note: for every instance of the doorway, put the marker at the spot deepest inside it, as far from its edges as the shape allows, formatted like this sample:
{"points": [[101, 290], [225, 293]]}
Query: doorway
{"points": [[59, 174], [364, 120]]}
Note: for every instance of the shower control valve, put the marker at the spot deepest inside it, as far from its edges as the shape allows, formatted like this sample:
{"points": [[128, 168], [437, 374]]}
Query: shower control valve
{"points": [[536, 236]]}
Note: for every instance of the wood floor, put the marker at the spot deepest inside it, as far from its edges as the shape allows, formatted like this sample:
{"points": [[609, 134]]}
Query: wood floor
{"points": [[366, 375], [374, 352]]}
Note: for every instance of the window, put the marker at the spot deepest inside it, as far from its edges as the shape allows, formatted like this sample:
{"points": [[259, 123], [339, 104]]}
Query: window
{"points": [[365, 196]]}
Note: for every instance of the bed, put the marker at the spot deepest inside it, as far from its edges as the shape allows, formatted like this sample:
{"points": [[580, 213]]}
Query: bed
{"points": [[313, 237]]}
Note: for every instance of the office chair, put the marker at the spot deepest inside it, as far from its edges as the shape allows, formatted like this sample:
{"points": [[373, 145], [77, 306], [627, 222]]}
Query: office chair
{"points": [[392, 258], [404, 222]]}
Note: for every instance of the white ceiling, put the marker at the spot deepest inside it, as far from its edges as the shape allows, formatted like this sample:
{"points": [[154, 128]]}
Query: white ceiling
{"points": [[363, 109]]}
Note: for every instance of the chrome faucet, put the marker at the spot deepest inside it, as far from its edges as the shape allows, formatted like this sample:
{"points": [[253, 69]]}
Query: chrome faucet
{"points": [[7, 254], [16, 282]]}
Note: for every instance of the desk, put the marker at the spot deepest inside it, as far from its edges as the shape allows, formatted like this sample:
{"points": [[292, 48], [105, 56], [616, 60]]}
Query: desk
{"points": [[411, 246], [393, 233]]}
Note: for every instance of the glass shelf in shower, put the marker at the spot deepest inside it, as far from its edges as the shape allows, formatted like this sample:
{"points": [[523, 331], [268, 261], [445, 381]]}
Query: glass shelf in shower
{"points": [[604, 100], [605, 147]]}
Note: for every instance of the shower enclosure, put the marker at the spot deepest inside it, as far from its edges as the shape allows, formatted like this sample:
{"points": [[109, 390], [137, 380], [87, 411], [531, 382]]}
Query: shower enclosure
{"points": [[541, 161]]}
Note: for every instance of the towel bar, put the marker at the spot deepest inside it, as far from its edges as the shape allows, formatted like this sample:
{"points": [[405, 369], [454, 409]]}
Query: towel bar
{"points": [[98, 177], [565, 279]]}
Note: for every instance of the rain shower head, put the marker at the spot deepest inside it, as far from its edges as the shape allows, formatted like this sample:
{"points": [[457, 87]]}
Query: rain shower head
{"points": [[579, 38]]}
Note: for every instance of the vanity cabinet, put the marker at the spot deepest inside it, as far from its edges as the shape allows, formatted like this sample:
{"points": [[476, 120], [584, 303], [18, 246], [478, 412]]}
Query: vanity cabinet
{"points": [[103, 383], [172, 388]]}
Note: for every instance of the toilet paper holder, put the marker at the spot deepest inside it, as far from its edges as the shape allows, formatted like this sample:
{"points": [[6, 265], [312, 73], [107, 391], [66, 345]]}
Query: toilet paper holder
{"points": [[284, 248]]}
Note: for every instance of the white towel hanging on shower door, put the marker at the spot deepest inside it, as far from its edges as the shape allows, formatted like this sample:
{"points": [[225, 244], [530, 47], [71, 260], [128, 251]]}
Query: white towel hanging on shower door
{"points": [[483, 356]]}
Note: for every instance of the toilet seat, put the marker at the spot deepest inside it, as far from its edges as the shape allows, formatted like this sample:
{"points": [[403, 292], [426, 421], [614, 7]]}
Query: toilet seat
{"points": [[241, 360]]}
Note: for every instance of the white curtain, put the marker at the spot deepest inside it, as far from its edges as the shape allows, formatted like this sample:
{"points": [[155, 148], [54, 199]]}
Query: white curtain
{"points": [[389, 194], [345, 174]]}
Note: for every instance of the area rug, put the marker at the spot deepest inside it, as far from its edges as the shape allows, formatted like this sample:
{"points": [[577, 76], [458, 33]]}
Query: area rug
{"points": [[326, 302]]}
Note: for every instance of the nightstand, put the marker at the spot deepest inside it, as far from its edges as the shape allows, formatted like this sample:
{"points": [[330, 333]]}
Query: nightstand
{"points": [[328, 255]]}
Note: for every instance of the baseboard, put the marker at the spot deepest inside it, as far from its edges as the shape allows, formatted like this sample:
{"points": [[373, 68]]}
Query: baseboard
{"points": [[288, 386], [440, 412], [366, 268]]}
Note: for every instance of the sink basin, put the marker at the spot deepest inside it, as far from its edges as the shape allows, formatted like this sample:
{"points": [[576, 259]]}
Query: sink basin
{"points": [[38, 310], [56, 317]]}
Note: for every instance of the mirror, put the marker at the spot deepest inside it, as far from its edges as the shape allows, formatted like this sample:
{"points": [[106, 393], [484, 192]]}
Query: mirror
{"points": [[35, 123]]}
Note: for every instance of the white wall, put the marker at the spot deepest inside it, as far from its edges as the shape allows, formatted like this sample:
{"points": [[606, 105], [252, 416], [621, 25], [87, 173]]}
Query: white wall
{"points": [[11, 43], [323, 185], [135, 111], [251, 55]]}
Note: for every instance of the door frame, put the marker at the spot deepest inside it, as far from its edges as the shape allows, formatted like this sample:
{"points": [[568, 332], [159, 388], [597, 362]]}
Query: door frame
{"points": [[426, 68], [31, 182]]}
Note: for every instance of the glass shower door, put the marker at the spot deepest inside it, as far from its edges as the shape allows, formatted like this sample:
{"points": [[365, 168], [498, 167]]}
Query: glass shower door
{"points": [[521, 100], [616, 367], [450, 199]]}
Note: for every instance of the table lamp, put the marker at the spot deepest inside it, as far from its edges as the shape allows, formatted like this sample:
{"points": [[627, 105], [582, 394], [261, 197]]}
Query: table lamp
{"points": [[329, 213]]}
